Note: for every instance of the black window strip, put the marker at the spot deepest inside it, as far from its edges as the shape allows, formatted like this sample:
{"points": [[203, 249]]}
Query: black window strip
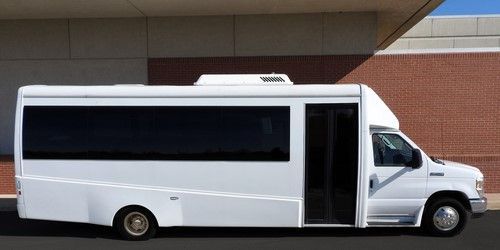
{"points": [[238, 133]]}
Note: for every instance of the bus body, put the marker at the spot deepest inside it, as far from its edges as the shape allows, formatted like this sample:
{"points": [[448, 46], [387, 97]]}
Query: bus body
{"points": [[230, 151]]}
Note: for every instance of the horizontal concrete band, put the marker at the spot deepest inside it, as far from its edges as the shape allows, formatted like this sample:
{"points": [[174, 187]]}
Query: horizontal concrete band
{"points": [[198, 36], [454, 26], [446, 43], [442, 51], [482, 31]]}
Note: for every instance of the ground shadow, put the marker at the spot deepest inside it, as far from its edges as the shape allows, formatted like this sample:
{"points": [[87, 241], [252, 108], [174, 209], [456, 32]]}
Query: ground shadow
{"points": [[23, 227]]}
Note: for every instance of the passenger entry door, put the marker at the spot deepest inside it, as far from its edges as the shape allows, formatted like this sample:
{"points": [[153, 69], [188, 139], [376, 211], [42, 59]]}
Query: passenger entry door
{"points": [[396, 189], [331, 163]]}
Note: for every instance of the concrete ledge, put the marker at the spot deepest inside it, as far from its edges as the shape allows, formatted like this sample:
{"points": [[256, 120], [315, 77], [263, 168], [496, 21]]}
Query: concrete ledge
{"points": [[437, 51], [493, 201]]}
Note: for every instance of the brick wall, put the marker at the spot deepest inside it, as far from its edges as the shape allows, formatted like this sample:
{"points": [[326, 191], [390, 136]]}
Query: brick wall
{"points": [[449, 104], [7, 175]]}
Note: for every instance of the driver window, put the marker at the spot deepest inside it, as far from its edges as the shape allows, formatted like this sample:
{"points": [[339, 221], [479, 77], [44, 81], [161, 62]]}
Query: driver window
{"points": [[391, 150]]}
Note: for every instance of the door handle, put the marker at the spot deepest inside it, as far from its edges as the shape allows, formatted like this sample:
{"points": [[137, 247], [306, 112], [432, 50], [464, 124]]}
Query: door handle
{"points": [[371, 184]]}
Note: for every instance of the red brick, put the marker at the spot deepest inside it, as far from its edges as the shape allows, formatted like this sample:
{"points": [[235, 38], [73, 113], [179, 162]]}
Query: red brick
{"points": [[7, 175]]}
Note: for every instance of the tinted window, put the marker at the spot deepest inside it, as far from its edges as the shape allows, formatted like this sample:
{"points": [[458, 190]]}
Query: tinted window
{"points": [[188, 133], [391, 150], [120, 132], [157, 133], [259, 133], [54, 133]]}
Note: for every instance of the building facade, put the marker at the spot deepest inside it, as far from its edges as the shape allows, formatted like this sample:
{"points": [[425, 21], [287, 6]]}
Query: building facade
{"points": [[441, 78]]}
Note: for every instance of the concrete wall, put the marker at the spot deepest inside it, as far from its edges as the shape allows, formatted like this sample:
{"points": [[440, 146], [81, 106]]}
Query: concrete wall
{"points": [[115, 50], [452, 32], [263, 35], [86, 51]]}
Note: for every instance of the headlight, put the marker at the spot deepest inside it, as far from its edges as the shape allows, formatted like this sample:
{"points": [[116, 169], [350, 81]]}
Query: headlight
{"points": [[479, 186]]}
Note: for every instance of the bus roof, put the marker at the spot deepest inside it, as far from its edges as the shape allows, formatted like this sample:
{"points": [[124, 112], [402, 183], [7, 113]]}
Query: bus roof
{"points": [[144, 91]]}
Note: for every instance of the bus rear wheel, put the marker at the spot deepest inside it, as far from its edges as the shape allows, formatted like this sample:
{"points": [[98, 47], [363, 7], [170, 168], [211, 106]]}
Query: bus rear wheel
{"points": [[135, 223]]}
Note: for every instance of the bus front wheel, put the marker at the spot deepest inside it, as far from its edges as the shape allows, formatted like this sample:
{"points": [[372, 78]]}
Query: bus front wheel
{"points": [[445, 217]]}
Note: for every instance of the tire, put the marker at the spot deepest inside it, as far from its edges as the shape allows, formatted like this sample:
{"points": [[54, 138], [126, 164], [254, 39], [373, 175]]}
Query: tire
{"points": [[445, 217], [135, 223]]}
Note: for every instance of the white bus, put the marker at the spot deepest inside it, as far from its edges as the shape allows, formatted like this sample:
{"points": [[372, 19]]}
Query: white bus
{"points": [[230, 151]]}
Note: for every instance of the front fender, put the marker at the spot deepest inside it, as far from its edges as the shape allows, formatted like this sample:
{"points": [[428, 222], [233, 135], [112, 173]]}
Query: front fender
{"points": [[464, 185]]}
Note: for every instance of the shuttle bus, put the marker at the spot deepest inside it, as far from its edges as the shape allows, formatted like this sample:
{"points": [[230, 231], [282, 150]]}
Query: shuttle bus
{"points": [[230, 151]]}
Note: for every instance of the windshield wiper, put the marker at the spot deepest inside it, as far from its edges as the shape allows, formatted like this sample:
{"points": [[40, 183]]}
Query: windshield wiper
{"points": [[436, 160]]}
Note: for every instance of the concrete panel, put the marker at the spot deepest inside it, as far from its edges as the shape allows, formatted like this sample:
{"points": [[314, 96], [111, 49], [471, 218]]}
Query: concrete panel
{"points": [[201, 36], [454, 26], [350, 33], [488, 26], [289, 34], [108, 38], [477, 42], [34, 39], [29, 9], [246, 7], [399, 44], [421, 29], [430, 43], [86, 72]]}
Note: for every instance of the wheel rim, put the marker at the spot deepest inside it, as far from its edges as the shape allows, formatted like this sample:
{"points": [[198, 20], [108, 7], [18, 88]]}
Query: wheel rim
{"points": [[136, 223], [446, 218]]}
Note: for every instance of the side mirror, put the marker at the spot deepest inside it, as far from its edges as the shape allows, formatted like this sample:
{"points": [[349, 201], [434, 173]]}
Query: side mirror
{"points": [[416, 159]]}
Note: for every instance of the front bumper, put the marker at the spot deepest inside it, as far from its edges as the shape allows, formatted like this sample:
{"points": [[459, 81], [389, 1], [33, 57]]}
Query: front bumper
{"points": [[478, 206]]}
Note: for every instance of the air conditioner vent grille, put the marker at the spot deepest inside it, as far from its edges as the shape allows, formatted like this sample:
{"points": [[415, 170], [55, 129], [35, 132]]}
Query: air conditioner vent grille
{"points": [[272, 79]]}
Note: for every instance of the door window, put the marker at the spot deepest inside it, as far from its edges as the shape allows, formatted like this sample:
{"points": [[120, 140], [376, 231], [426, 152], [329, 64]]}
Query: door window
{"points": [[391, 150]]}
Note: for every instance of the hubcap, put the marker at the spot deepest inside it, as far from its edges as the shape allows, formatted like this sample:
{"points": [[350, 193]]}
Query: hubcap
{"points": [[136, 223], [446, 218]]}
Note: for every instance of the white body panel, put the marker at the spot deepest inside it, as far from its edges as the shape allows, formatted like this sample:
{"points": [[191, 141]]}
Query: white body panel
{"points": [[456, 176], [211, 193]]}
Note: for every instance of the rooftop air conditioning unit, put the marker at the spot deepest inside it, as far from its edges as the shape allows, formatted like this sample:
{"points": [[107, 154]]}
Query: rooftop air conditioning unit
{"points": [[243, 79]]}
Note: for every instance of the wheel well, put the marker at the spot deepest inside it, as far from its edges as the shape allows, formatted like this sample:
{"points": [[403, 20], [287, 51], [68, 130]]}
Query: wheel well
{"points": [[138, 207], [457, 195]]}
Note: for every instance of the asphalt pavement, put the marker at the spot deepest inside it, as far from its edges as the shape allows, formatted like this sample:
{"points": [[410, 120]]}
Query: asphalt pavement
{"points": [[15, 233]]}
